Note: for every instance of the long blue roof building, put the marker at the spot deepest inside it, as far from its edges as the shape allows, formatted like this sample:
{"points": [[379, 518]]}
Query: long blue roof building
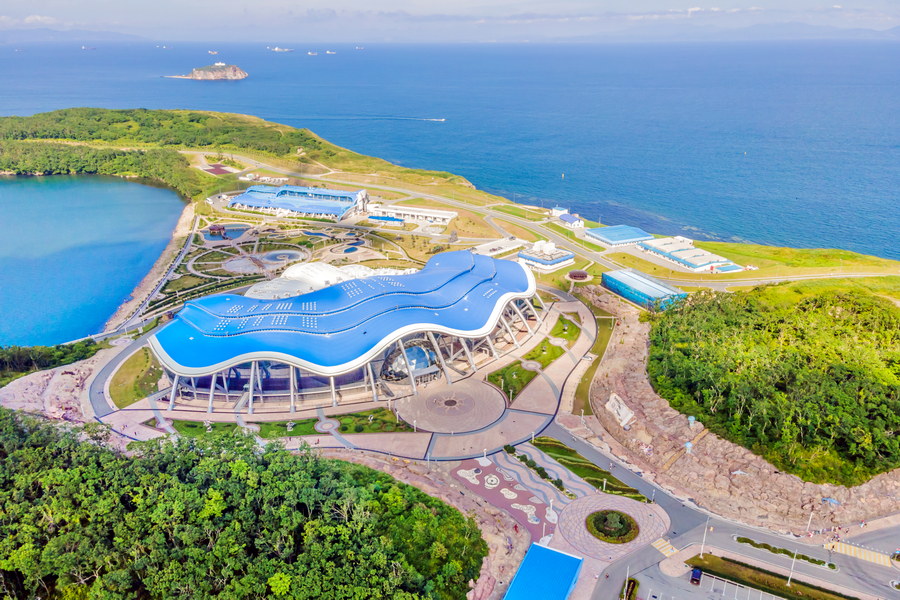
{"points": [[317, 202]]}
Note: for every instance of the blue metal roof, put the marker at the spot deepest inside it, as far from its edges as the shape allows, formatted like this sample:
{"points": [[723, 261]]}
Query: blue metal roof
{"points": [[619, 234], [546, 261], [568, 218], [342, 326], [298, 199], [644, 284], [546, 574]]}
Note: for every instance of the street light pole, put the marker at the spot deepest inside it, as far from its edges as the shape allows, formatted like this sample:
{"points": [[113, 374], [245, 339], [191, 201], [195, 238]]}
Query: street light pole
{"points": [[705, 529], [793, 562]]}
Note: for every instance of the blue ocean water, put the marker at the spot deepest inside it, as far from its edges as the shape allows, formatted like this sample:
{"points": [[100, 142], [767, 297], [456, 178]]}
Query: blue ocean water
{"points": [[72, 249], [777, 143]]}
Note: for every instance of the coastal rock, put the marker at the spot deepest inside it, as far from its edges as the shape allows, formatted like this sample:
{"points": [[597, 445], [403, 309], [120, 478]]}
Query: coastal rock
{"points": [[215, 72]]}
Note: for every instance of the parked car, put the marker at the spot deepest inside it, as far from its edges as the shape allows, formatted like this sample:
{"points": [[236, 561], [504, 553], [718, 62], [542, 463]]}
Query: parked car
{"points": [[696, 575]]}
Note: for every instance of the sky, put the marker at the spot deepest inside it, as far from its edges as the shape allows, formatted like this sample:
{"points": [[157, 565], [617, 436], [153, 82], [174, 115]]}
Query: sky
{"points": [[436, 20]]}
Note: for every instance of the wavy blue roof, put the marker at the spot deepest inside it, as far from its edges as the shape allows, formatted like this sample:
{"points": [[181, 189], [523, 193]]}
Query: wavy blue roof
{"points": [[299, 199], [342, 326]]}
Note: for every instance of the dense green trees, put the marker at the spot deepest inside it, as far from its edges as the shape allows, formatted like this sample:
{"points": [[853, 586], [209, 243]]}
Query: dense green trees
{"points": [[216, 518], [48, 158], [18, 360], [810, 381]]}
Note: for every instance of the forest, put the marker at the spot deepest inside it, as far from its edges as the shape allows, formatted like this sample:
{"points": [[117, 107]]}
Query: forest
{"points": [[47, 158], [19, 360], [215, 517], [183, 129], [808, 380]]}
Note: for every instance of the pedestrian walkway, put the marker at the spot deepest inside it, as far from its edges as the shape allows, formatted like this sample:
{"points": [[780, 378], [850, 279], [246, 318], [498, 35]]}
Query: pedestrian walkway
{"points": [[663, 545], [879, 558]]}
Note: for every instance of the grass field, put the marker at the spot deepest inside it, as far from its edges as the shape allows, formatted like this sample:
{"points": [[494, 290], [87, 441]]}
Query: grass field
{"points": [[512, 379], [772, 262], [521, 212], [520, 232], [185, 282], [760, 579], [544, 353], [136, 379], [583, 391], [566, 329], [377, 420], [278, 429], [585, 469]]}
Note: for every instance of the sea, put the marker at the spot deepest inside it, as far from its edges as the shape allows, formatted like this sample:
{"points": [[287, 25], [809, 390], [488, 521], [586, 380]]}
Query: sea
{"points": [[779, 143]]}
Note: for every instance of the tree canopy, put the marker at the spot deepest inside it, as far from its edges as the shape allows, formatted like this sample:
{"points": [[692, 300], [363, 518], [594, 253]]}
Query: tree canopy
{"points": [[810, 381], [216, 517], [19, 360]]}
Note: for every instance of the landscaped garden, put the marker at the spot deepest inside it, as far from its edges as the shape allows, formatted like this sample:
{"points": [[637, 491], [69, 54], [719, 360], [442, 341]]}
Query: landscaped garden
{"points": [[377, 420], [582, 467], [512, 379], [280, 429], [199, 428], [544, 353], [566, 329], [612, 526]]}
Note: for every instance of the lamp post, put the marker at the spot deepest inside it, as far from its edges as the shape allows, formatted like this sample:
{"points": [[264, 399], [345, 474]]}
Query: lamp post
{"points": [[793, 562], [705, 529]]}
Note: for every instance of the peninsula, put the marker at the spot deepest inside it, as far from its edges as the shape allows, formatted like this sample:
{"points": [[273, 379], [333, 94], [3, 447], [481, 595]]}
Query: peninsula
{"points": [[214, 72]]}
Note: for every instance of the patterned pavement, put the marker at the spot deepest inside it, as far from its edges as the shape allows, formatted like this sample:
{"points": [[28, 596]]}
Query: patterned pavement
{"points": [[652, 521]]}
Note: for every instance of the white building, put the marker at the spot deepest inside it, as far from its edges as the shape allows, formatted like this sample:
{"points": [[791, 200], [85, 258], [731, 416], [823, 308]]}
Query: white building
{"points": [[411, 213], [572, 221], [558, 211], [545, 257]]}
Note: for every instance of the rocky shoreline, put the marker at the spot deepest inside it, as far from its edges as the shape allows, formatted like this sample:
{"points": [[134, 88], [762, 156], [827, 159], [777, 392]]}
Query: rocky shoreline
{"points": [[159, 268]]}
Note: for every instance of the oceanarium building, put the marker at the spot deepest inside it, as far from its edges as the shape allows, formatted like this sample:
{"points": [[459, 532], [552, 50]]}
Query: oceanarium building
{"points": [[379, 338]]}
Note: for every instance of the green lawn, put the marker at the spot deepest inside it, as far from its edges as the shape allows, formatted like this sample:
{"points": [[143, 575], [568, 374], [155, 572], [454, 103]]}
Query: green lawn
{"points": [[512, 379], [760, 579], [278, 429], [377, 420], [521, 212], [185, 282], [583, 391], [566, 329], [136, 379], [197, 428], [585, 469], [544, 353]]}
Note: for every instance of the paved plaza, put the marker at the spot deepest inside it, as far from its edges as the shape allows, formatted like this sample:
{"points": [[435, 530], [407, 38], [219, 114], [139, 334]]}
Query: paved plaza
{"points": [[459, 407]]}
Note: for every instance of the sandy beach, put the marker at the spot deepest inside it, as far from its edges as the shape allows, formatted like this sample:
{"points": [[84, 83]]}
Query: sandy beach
{"points": [[148, 283]]}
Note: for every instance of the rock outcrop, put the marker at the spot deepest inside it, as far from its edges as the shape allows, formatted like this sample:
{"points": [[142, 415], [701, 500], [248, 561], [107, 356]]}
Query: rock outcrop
{"points": [[215, 72]]}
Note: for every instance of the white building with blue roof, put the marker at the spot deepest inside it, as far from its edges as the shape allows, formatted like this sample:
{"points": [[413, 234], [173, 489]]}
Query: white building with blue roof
{"points": [[618, 235], [287, 200], [376, 337]]}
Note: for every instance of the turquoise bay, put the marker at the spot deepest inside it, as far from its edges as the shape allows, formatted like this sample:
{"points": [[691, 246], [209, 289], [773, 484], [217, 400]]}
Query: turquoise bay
{"points": [[72, 249]]}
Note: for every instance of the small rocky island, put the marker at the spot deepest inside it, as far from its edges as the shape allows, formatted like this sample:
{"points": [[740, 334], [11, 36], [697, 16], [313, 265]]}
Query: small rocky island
{"points": [[217, 71]]}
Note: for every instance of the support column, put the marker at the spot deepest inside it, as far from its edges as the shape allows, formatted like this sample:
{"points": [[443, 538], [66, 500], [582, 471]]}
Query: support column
{"points": [[540, 301], [333, 392], [259, 381], [250, 387], [212, 392], [437, 349], [509, 331], [409, 371], [490, 344], [537, 317], [372, 380], [468, 352], [293, 389], [225, 385], [173, 392], [522, 316], [194, 388]]}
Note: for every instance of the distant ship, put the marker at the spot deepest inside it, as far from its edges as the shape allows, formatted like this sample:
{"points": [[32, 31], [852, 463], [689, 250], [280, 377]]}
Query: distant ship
{"points": [[88, 48], [279, 49], [213, 52], [311, 53], [360, 48], [330, 52]]}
